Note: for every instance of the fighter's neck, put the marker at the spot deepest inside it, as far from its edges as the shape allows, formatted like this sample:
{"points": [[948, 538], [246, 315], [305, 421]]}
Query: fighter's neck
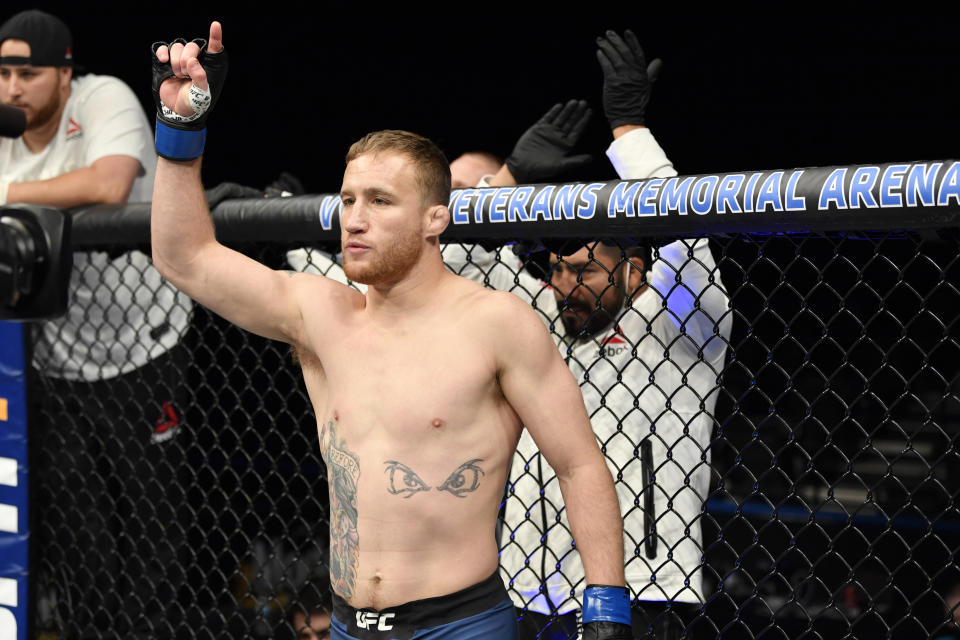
{"points": [[417, 289]]}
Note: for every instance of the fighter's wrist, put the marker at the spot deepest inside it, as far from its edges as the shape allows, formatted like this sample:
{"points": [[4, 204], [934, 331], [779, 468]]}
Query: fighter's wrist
{"points": [[606, 603], [179, 144]]}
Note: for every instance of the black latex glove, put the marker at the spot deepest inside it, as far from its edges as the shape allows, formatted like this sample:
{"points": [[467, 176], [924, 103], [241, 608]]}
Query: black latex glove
{"points": [[543, 151], [230, 191], [606, 631], [627, 79]]}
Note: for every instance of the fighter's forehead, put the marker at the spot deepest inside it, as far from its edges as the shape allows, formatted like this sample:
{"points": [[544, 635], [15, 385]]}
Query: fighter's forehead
{"points": [[382, 170]]}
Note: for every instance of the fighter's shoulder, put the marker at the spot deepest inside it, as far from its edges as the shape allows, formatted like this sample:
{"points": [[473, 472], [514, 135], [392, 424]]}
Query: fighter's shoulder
{"points": [[500, 310], [331, 295]]}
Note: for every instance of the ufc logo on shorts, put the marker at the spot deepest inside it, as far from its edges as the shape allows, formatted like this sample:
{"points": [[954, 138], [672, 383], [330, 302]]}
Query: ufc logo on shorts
{"points": [[374, 620]]}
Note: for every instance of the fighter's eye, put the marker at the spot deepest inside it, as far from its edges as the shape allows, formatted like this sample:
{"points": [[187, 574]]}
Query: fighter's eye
{"points": [[464, 480], [402, 481]]}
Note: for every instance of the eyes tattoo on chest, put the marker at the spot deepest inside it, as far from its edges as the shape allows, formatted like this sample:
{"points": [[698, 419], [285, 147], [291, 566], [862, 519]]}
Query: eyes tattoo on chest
{"points": [[404, 481]]}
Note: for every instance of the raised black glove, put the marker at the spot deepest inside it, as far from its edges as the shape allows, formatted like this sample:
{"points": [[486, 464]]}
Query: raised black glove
{"points": [[627, 79], [542, 152], [182, 137]]}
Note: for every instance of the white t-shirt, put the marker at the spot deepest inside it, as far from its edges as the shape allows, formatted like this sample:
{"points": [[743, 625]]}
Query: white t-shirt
{"points": [[121, 313]]}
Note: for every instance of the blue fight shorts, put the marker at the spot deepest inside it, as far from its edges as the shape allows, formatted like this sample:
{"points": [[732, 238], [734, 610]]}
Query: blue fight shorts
{"points": [[481, 612]]}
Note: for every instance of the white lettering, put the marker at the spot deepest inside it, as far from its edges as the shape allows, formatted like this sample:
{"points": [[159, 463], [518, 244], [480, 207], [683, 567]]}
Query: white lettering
{"points": [[8, 625], [374, 620], [8, 592], [8, 472], [9, 515], [382, 625]]}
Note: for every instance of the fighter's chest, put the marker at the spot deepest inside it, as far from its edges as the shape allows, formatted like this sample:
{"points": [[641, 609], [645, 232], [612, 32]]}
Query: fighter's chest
{"points": [[436, 371]]}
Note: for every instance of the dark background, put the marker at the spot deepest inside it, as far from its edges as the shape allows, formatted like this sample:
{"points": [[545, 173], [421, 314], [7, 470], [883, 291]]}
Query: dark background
{"points": [[744, 87]]}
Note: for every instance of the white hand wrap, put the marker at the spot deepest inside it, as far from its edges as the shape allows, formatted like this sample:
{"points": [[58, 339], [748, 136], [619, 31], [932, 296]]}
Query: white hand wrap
{"points": [[200, 100]]}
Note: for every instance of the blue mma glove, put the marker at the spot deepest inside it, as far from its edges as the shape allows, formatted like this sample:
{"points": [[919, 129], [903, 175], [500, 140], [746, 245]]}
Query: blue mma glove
{"points": [[606, 613], [182, 137]]}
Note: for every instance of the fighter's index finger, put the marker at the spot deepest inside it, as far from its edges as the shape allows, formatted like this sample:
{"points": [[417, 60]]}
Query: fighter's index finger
{"points": [[215, 43]]}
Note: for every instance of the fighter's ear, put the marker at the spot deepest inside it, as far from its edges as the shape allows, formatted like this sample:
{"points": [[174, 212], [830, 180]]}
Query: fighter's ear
{"points": [[437, 219]]}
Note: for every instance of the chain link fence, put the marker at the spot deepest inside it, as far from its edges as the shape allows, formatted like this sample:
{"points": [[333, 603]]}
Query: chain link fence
{"points": [[187, 498]]}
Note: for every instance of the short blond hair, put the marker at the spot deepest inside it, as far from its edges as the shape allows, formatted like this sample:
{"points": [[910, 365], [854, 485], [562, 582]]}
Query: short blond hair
{"points": [[431, 167]]}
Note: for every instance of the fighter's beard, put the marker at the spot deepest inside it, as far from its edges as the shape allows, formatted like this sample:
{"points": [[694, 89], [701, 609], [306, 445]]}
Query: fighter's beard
{"points": [[389, 265]]}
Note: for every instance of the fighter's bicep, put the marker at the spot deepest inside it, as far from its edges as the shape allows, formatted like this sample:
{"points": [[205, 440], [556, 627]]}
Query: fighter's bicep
{"points": [[265, 301], [540, 388]]}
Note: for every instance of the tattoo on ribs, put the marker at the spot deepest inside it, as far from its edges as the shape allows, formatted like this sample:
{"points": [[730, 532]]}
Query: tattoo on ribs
{"points": [[343, 469], [465, 479], [404, 481]]}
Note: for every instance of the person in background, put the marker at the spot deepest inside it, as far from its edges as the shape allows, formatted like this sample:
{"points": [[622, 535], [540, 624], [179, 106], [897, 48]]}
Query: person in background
{"points": [[310, 613], [470, 167], [644, 330], [104, 452]]}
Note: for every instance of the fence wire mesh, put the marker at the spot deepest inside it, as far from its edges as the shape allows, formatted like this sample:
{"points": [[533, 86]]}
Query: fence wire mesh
{"points": [[187, 497]]}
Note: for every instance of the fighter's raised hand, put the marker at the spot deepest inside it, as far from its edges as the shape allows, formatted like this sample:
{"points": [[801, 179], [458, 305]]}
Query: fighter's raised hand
{"points": [[188, 78]]}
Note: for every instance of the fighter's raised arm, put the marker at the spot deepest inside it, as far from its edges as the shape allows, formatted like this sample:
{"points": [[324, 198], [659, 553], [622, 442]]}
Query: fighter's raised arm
{"points": [[188, 77]]}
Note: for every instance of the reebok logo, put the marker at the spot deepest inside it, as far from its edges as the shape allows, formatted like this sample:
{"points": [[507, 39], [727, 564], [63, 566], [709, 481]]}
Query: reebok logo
{"points": [[614, 344], [168, 424], [74, 130], [374, 620], [616, 337]]}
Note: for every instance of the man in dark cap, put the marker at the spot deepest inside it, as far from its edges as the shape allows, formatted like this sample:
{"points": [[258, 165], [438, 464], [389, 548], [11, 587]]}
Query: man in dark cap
{"points": [[109, 367]]}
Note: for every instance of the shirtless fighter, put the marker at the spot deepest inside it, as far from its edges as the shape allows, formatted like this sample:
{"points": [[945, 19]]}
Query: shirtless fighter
{"points": [[421, 386]]}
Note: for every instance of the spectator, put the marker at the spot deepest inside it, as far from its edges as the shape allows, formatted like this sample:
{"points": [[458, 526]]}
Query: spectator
{"points": [[310, 613], [646, 337], [469, 168], [109, 368]]}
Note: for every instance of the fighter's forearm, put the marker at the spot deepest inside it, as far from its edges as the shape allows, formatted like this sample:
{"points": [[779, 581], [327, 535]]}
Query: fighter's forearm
{"points": [[180, 222], [594, 515]]}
